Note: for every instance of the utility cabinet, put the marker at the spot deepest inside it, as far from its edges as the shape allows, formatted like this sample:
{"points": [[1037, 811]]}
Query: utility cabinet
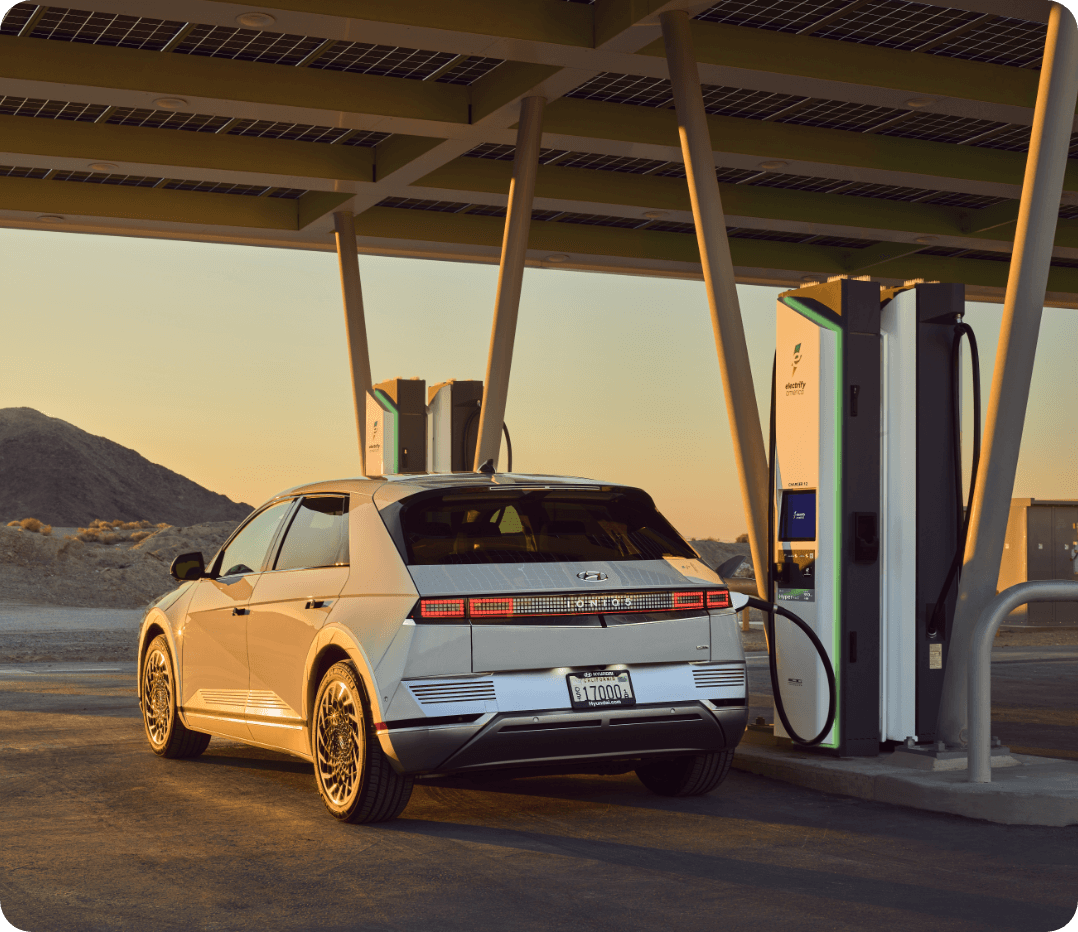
{"points": [[1042, 540]]}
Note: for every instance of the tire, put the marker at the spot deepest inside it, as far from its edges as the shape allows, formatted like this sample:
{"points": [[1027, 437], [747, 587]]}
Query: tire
{"points": [[168, 736], [686, 776], [355, 779]]}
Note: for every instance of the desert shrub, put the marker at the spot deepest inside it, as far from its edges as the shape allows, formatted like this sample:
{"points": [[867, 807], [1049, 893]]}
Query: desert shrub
{"points": [[111, 538], [145, 524], [116, 523], [163, 525], [140, 535], [13, 524], [129, 526], [99, 524], [90, 535], [30, 524], [45, 529], [742, 538]]}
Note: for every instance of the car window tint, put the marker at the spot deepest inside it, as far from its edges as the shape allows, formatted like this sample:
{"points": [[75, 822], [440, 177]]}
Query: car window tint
{"points": [[248, 549], [536, 526], [317, 536]]}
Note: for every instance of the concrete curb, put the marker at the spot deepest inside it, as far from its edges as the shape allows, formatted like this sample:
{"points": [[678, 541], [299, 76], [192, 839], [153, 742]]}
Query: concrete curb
{"points": [[1039, 791]]}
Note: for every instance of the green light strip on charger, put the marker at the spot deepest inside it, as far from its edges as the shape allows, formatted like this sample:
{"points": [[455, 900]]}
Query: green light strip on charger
{"points": [[836, 646]]}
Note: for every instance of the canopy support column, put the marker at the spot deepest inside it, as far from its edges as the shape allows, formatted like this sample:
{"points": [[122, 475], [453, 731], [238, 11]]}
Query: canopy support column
{"points": [[729, 329], [355, 325], [510, 277], [1023, 306]]}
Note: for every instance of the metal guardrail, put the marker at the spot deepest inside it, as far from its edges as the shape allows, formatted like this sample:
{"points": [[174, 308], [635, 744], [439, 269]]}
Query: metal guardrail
{"points": [[980, 663]]}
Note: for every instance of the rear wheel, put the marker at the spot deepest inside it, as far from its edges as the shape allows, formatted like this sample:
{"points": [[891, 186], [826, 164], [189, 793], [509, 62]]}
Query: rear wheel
{"points": [[355, 779], [168, 736], [686, 776]]}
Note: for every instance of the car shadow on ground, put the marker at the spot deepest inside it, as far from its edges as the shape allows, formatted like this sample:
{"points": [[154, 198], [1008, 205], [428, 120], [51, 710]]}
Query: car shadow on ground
{"points": [[934, 901], [251, 758]]}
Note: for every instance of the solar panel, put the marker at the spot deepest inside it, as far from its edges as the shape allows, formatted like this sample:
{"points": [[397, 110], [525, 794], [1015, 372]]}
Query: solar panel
{"points": [[389, 60], [17, 17], [942, 127], [775, 15], [365, 138], [1004, 41], [299, 132], [133, 181], [166, 119], [598, 220], [214, 187], [610, 163], [129, 32], [840, 114], [19, 171], [898, 24], [51, 109], [415, 203], [291, 194], [671, 226], [470, 70], [246, 45]]}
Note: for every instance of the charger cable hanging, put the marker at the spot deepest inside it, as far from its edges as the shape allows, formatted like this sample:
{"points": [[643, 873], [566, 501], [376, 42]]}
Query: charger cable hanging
{"points": [[937, 617], [772, 609]]}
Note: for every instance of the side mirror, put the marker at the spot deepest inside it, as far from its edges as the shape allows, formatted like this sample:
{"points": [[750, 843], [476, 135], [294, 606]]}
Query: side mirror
{"points": [[188, 566]]}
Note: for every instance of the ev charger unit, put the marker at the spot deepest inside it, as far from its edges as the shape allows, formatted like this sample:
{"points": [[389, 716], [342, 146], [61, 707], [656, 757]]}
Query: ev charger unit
{"points": [[867, 512], [411, 429]]}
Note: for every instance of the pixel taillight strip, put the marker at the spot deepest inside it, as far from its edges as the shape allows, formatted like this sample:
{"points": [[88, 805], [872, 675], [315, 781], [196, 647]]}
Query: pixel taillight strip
{"points": [[573, 604]]}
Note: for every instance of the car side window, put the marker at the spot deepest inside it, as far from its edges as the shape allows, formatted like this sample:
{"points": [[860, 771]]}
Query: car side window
{"points": [[317, 535], [248, 548]]}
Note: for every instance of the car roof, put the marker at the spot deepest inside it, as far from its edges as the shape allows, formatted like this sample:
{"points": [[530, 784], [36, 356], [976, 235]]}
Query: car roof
{"points": [[384, 490]]}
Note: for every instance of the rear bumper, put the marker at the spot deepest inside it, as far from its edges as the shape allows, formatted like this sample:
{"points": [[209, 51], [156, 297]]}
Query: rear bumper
{"points": [[520, 739]]}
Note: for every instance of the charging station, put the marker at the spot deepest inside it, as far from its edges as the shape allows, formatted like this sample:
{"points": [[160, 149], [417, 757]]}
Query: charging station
{"points": [[396, 427], [452, 423], [867, 507]]}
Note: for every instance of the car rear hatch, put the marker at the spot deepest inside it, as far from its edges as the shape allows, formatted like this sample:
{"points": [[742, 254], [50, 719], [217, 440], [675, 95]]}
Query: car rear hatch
{"points": [[524, 569]]}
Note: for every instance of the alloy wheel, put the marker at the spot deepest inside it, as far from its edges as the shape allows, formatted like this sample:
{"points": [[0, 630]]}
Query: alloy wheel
{"points": [[157, 696], [339, 743]]}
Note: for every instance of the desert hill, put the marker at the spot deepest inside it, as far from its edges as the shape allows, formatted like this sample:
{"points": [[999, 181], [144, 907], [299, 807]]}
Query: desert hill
{"points": [[64, 476]]}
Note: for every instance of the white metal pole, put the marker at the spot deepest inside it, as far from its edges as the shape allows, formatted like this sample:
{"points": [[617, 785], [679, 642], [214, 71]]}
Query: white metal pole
{"points": [[510, 276], [1023, 305], [355, 325], [697, 151]]}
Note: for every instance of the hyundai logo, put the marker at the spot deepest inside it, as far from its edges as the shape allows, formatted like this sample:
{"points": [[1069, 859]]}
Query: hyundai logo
{"points": [[592, 576]]}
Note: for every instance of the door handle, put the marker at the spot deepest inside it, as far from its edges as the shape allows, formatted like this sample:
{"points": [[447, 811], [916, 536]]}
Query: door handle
{"points": [[315, 603], [241, 611]]}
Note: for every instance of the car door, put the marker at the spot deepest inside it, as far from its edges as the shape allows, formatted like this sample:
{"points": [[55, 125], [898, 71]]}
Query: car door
{"points": [[292, 599], [216, 678]]}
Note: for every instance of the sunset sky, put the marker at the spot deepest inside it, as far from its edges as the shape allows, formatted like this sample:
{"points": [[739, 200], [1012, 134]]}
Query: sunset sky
{"points": [[228, 365]]}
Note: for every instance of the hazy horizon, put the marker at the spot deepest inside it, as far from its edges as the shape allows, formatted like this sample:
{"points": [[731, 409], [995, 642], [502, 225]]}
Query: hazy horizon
{"points": [[228, 365]]}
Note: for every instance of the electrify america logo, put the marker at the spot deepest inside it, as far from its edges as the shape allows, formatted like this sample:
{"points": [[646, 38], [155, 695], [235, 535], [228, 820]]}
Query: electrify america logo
{"points": [[795, 388]]}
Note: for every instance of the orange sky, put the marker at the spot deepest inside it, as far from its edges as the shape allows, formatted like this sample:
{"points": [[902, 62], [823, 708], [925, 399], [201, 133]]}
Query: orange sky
{"points": [[227, 364]]}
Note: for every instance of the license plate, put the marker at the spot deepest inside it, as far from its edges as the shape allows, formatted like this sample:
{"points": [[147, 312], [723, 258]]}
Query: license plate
{"points": [[600, 689]]}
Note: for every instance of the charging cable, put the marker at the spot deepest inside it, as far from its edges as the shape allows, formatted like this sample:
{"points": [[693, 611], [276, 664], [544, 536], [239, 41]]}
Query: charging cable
{"points": [[937, 617], [772, 609]]}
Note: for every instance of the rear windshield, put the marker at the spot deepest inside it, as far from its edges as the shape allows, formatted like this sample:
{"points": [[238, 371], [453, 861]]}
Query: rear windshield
{"points": [[536, 526]]}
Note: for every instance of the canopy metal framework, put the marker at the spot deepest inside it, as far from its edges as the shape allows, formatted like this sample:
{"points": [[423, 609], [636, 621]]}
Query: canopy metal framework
{"points": [[882, 137]]}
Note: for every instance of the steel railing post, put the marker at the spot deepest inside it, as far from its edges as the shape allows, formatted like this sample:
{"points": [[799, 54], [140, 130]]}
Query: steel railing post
{"points": [[718, 267], [355, 325], [980, 663], [510, 277], [1024, 303]]}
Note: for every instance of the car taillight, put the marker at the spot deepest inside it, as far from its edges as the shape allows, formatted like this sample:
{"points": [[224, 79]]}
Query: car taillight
{"points": [[485, 607], [441, 608], [718, 598], [686, 600], [571, 603]]}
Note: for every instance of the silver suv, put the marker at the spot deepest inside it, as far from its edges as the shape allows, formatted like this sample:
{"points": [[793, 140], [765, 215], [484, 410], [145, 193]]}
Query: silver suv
{"points": [[386, 629]]}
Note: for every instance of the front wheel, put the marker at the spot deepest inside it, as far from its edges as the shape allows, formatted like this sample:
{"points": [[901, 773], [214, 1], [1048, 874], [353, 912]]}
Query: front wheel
{"points": [[168, 736], [686, 776], [355, 778]]}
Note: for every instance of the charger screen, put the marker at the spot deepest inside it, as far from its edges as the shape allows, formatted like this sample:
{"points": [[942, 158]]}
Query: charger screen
{"points": [[797, 516]]}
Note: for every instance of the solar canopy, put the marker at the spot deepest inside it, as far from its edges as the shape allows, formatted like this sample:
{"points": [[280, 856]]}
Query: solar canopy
{"points": [[861, 137]]}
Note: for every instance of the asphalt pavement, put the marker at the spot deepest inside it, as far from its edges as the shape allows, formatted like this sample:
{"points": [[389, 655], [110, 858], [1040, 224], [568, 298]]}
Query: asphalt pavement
{"points": [[98, 833]]}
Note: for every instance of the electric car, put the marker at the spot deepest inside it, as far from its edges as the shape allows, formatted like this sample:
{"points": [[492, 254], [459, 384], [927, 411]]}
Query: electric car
{"points": [[389, 629]]}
